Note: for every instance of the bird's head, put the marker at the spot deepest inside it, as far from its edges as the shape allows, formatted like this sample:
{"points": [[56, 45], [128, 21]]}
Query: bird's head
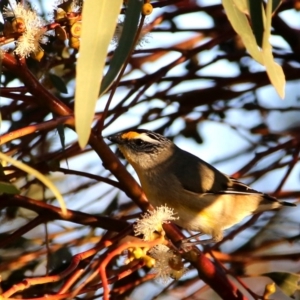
{"points": [[143, 148]]}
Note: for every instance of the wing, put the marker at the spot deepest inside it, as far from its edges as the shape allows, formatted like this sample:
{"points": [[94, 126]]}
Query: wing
{"points": [[238, 187], [207, 179], [203, 178]]}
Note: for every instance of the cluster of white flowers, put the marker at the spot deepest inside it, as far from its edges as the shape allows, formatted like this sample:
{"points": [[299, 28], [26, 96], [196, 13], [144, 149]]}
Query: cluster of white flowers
{"points": [[164, 266], [33, 35], [167, 263], [152, 221], [162, 255]]}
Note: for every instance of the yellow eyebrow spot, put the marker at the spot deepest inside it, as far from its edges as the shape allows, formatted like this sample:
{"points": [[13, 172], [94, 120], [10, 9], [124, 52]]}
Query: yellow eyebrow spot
{"points": [[130, 135]]}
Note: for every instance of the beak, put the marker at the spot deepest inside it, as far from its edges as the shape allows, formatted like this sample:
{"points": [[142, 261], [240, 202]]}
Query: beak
{"points": [[116, 138]]}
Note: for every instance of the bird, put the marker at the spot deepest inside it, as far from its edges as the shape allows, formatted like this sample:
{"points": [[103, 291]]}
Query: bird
{"points": [[205, 200]]}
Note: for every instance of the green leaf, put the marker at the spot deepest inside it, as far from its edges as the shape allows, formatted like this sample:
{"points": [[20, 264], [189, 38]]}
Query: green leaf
{"points": [[125, 44], [61, 134], [58, 83], [274, 71], [39, 176], [288, 282], [8, 188], [98, 25], [268, 21], [241, 25], [256, 15], [242, 5]]}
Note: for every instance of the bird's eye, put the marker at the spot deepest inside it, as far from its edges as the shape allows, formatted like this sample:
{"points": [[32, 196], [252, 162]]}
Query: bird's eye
{"points": [[139, 142]]}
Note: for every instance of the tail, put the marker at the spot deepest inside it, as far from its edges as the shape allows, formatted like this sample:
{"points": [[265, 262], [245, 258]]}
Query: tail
{"points": [[288, 204], [281, 203]]}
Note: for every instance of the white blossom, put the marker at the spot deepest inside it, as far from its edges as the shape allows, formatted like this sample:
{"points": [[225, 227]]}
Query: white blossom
{"points": [[164, 266], [152, 221], [33, 35]]}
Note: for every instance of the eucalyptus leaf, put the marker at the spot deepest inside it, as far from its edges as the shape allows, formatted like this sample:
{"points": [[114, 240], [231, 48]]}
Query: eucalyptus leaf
{"points": [[274, 71], [256, 14], [242, 5], [241, 25], [125, 44], [99, 20], [264, 55], [58, 83], [8, 188]]}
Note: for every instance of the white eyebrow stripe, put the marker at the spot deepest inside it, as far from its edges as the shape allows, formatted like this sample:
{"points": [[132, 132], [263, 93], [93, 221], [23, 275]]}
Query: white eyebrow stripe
{"points": [[146, 138]]}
